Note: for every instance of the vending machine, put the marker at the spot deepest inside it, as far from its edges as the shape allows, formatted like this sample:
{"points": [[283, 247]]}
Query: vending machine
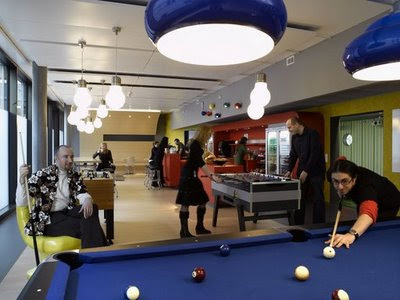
{"points": [[277, 149]]}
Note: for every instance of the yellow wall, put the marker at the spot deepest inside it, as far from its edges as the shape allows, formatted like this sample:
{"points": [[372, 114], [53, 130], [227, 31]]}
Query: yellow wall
{"points": [[175, 133], [119, 122], [385, 103]]}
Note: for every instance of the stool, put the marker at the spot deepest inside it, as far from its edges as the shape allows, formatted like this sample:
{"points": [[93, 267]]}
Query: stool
{"points": [[152, 179]]}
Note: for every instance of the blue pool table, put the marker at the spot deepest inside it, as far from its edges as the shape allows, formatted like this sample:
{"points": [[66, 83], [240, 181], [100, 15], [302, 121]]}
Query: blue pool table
{"points": [[260, 266]]}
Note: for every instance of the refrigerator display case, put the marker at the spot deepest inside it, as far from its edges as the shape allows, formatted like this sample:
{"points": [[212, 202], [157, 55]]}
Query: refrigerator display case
{"points": [[277, 149]]}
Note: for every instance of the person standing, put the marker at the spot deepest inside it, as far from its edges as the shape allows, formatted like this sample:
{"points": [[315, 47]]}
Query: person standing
{"points": [[180, 147], [162, 148], [153, 154], [307, 149], [106, 159], [241, 151], [62, 204], [191, 190]]}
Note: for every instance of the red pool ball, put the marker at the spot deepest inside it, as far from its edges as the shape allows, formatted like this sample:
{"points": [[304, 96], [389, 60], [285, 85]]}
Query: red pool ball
{"points": [[199, 274]]}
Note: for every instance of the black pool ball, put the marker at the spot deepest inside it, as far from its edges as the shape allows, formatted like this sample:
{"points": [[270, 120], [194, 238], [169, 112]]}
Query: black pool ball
{"points": [[224, 250], [340, 295], [199, 274]]}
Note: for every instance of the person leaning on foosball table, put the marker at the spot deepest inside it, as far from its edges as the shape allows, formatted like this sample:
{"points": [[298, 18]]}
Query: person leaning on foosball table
{"points": [[377, 198], [62, 205], [306, 147]]}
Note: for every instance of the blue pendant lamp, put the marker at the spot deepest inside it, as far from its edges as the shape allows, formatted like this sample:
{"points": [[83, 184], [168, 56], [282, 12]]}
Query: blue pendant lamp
{"points": [[215, 32], [375, 55]]}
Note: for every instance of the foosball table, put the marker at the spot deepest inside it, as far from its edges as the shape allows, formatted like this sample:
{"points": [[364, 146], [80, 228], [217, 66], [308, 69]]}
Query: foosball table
{"points": [[264, 196]]}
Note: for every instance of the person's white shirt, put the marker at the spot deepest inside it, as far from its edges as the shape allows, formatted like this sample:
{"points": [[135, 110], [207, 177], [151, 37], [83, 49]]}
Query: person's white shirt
{"points": [[61, 199]]}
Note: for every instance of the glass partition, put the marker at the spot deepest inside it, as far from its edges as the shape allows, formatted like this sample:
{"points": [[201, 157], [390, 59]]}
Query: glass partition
{"points": [[4, 180]]}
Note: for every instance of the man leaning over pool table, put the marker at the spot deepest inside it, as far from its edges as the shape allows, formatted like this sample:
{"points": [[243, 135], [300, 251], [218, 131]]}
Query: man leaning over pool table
{"points": [[376, 197]]}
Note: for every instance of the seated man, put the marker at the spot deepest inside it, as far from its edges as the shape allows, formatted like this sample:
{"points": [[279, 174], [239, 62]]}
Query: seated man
{"points": [[62, 205]]}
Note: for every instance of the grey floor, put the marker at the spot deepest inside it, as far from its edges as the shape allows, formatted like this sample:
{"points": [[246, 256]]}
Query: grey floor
{"points": [[141, 215], [11, 245]]}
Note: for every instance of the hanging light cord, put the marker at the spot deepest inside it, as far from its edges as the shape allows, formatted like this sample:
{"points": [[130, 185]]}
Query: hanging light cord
{"points": [[116, 52], [82, 43], [116, 29]]}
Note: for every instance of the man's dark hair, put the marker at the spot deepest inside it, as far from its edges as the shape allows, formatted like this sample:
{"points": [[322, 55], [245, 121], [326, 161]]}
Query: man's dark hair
{"points": [[176, 140], [343, 166], [243, 140]]}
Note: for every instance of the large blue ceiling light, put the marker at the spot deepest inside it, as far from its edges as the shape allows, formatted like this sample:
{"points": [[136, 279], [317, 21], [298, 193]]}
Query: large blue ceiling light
{"points": [[215, 32], [375, 55]]}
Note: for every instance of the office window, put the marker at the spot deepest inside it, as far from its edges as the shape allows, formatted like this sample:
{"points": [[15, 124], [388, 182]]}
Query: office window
{"points": [[22, 98], [22, 122], [4, 180]]}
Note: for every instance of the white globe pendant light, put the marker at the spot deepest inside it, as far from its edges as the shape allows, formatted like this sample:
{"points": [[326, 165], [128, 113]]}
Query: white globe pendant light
{"points": [[82, 112], [115, 97], [102, 110], [97, 122], [260, 95], [89, 128], [82, 96], [81, 125], [255, 112], [72, 117]]}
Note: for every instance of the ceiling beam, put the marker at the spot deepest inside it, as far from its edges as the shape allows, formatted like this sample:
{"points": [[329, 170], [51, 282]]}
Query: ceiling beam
{"points": [[131, 74]]}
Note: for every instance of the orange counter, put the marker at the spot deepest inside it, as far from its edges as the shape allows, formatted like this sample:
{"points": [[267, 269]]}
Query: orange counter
{"points": [[172, 165], [215, 169]]}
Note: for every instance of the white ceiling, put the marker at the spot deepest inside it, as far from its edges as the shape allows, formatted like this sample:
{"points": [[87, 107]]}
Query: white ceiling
{"points": [[48, 31]]}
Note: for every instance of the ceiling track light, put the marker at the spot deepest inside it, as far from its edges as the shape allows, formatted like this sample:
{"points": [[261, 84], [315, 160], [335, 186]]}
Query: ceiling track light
{"points": [[115, 97], [215, 32], [375, 54], [82, 97]]}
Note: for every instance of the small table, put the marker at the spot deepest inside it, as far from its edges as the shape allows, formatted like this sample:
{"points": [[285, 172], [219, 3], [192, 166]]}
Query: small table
{"points": [[102, 192]]}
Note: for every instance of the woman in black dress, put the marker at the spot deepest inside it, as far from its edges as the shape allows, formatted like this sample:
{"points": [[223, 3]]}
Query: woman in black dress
{"points": [[376, 197], [160, 156], [191, 190], [153, 154], [105, 158]]}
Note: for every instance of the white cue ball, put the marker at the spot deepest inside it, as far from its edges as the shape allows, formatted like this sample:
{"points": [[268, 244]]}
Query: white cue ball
{"points": [[329, 252], [132, 293], [301, 273], [342, 295]]}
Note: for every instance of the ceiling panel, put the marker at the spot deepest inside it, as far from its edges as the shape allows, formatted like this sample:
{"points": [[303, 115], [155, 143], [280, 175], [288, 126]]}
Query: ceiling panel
{"points": [[48, 31]]}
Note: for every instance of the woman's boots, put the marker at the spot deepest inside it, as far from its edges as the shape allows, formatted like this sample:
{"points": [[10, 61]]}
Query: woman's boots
{"points": [[184, 216], [201, 211]]}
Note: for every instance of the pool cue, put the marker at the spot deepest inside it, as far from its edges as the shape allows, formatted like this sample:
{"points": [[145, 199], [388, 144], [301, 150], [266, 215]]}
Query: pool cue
{"points": [[35, 247], [336, 222]]}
